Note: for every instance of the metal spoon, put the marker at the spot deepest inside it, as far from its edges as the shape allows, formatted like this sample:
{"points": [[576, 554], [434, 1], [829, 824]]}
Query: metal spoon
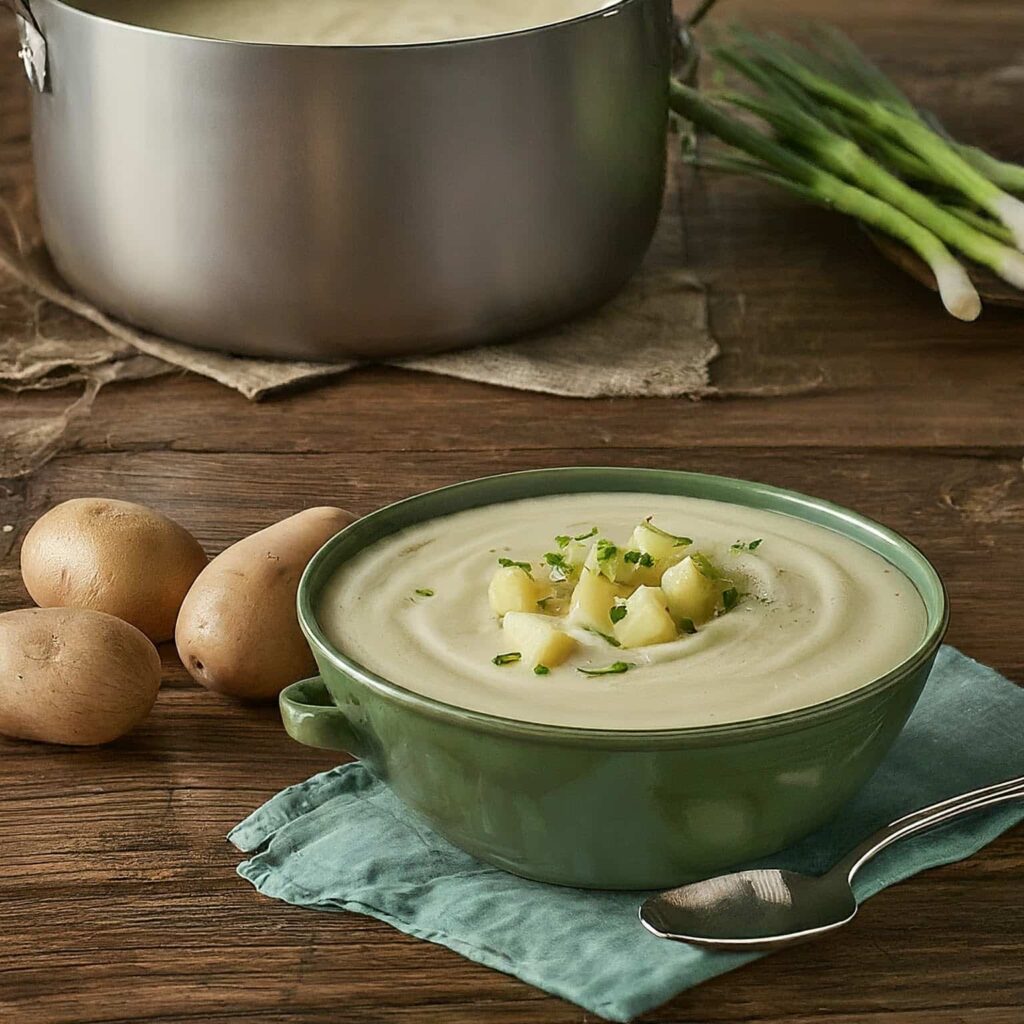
{"points": [[768, 909]]}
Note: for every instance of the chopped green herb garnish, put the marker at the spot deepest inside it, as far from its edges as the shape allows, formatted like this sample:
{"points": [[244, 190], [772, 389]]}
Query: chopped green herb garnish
{"points": [[425, 592], [541, 670], [604, 636], [615, 669], [618, 613], [563, 540], [606, 552], [639, 558], [752, 545], [507, 659], [687, 626], [561, 569], [729, 598], [677, 542], [507, 563]]}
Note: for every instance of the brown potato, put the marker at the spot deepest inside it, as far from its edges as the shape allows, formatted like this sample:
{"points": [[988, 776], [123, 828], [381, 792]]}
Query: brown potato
{"points": [[74, 676], [115, 557], [238, 632]]}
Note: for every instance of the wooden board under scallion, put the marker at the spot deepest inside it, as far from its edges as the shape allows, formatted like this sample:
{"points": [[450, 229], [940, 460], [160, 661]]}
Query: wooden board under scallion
{"points": [[992, 290]]}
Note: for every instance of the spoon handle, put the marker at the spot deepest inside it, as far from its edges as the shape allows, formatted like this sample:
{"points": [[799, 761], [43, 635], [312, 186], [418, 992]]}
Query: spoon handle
{"points": [[929, 818]]}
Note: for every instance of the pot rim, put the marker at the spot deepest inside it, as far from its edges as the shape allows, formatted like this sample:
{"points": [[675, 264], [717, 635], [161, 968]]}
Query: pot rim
{"points": [[602, 12], [937, 611]]}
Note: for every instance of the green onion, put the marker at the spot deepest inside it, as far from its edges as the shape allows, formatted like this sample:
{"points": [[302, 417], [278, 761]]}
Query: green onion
{"points": [[425, 592], [615, 669], [844, 54], [847, 160], [1006, 175], [898, 123], [955, 288], [541, 670], [507, 659], [618, 613], [730, 598], [891, 153], [982, 223]]}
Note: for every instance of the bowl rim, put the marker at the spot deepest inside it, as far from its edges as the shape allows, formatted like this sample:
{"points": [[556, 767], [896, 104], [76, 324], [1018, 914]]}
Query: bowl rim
{"points": [[799, 718], [616, 7]]}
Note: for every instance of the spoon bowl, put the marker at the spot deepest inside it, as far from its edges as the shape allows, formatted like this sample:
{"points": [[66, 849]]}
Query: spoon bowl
{"points": [[762, 909], [769, 908]]}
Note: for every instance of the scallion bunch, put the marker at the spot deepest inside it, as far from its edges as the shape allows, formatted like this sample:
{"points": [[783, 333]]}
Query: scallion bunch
{"points": [[839, 133]]}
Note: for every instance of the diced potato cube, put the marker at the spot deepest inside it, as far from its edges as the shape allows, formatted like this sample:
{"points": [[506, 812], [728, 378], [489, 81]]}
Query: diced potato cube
{"points": [[636, 573], [591, 562], [592, 600], [647, 620], [616, 569], [690, 594], [512, 590], [660, 546], [537, 638]]}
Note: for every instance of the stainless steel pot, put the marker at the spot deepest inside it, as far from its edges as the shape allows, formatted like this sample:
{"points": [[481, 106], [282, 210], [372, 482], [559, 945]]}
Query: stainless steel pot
{"points": [[327, 201]]}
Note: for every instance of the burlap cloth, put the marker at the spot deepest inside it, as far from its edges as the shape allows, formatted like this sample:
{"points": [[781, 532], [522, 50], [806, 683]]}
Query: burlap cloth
{"points": [[652, 340]]}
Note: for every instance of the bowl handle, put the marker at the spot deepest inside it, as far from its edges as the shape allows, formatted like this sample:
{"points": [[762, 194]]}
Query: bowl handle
{"points": [[311, 717]]}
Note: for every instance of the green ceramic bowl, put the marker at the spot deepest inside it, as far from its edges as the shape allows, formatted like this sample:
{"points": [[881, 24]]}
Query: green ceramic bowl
{"points": [[602, 808]]}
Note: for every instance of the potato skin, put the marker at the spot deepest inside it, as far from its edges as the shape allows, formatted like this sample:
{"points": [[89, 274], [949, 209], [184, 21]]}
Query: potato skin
{"points": [[115, 557], [73, 676], [237, 631]]}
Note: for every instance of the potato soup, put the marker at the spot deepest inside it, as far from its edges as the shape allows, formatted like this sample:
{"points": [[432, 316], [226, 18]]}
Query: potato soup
{"points": [[342, 22], [623, 611]]}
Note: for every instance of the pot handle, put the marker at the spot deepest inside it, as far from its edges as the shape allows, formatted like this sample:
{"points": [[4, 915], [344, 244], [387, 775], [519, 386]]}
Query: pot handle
{"points": [[685, 52], [33, 45], [311, 717]]}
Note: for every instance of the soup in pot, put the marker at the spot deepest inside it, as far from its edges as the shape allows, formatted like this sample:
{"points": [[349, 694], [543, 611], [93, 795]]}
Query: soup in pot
{"points": [[343, 22]]}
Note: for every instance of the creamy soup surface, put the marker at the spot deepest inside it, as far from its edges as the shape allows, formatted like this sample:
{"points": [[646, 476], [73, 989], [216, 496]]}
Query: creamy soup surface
{"points": [[342, 22], [818, 616]]}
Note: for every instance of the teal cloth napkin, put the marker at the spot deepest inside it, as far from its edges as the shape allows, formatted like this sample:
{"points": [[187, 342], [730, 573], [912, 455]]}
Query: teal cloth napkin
{"points": [[341, 841]]}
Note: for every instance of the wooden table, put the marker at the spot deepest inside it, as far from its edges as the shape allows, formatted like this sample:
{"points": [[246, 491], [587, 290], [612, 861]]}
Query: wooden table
{"points": [[118, 898]]}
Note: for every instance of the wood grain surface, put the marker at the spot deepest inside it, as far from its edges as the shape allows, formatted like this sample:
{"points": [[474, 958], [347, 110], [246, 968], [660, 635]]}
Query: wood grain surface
{"points": [[839, 376]]}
